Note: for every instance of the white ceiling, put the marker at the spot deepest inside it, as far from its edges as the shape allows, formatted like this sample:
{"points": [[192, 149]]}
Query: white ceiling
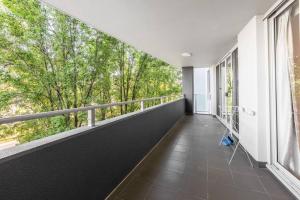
{"points": [[167, 28]]}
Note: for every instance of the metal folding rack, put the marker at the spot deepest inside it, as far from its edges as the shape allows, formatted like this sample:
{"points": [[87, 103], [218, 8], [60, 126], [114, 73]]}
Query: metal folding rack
{"points": [[233, 124]]}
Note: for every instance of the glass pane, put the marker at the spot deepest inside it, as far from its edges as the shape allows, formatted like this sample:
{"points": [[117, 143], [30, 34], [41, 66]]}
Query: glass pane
{"points": [[223, 90], [218, 90], [201, 83], [288, 89], [229, 88], [235, 91]]}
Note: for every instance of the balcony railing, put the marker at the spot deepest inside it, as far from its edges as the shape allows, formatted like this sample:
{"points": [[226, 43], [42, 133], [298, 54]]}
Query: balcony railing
{"points": [[91, 110], [89, 162]]}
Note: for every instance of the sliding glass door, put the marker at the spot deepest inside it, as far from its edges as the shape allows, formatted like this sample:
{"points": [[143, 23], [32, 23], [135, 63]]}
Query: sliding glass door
{"points": [[202, 90], [285, 91], [227, 93], [229, 85], [218, 89], [223, 90], [235, 91]]}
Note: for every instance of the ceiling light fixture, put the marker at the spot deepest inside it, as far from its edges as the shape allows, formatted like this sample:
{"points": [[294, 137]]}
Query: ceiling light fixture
{"points": [[186, 54]]}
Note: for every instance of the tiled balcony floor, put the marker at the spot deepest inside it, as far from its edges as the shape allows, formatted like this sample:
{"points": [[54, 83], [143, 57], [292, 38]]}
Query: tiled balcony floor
{"points": [[190, 165]]}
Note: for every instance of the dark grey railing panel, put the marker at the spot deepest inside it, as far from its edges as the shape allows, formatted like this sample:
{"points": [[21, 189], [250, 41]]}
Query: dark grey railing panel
{"points": [[88, 165]]}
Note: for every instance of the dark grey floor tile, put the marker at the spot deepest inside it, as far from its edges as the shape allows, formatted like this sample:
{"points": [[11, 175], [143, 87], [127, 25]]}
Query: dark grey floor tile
{"points": [[242, 166], [181, 148], [115, 198], [283, 198], [148, 174], [155, 158], [248, 182], [196, 185], [219, 176], [198, 151], [195, 158], [170, 179], [179, 156], [262, 172], [217, 163], [218, 191], [195, 167], [216, 155], [198, 174], [161, 193], [183, 196], [136, 190], [251, 195], [175, 165], [275, 189]]}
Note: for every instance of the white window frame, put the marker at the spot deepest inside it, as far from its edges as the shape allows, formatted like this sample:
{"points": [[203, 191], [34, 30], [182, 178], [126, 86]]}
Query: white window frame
{"points": [[291, 182], [224, 89]]}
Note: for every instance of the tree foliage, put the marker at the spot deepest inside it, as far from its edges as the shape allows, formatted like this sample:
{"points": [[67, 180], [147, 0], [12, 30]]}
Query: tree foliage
{"points": [[50, 61]]}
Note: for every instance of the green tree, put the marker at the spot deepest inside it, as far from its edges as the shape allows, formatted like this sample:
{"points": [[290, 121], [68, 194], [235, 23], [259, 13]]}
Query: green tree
{"points": [[50, 61]]}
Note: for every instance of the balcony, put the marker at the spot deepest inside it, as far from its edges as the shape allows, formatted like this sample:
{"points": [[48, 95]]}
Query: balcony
{"points": [[232, 131], [155, 153]]}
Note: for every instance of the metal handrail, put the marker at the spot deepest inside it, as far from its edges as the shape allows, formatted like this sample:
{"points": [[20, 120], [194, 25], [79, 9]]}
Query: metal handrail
{"points": [[89, 109]]}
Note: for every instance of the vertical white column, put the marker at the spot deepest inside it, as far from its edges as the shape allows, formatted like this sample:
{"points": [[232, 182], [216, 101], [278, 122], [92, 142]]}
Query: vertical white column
{"points": [[142, 105], [91, 118]]}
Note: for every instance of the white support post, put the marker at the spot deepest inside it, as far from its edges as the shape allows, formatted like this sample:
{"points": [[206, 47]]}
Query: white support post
{"points": [[142, 105], [161, 100], [91, 118]]}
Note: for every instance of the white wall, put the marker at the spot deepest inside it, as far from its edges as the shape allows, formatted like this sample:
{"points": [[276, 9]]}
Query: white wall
{"points": [[248, 86], [262, 88], [252, 89]]}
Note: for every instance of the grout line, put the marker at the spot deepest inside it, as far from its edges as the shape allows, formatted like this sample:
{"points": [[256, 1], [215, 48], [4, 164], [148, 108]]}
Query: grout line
{"points": [[265, 189]]}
